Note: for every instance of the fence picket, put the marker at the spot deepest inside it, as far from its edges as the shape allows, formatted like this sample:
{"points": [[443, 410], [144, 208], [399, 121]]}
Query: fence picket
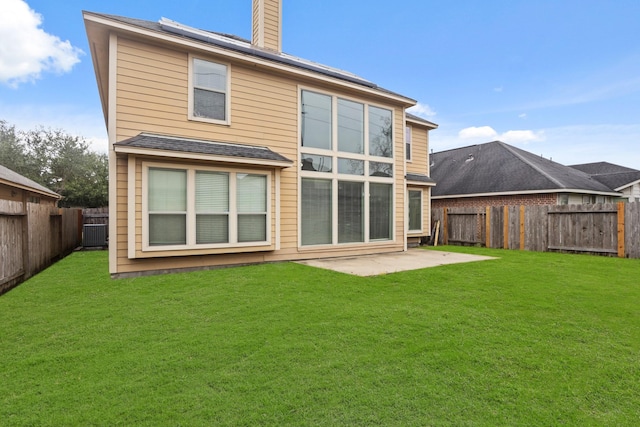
{"points": [[607, 229]]}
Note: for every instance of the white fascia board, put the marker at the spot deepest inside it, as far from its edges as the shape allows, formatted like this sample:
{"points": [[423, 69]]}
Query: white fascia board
{"points": [[516, 193], [421, 123], [421, 183], [631, 184]]}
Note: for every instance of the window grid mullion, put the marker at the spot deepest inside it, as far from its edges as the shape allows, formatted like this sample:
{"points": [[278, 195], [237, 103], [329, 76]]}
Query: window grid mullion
{"points": [[233, 209], [191, 207], [366, 212], [334, 211]]}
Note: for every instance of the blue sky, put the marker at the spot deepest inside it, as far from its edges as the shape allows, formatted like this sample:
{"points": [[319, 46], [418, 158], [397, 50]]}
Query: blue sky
{"points": [[559, 78]]}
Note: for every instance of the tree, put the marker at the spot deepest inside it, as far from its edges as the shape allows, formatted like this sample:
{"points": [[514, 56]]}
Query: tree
{"points": [[12, 150], [59, 161]]}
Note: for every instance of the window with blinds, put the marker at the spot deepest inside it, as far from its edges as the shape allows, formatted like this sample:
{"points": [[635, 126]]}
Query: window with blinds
{"points": [[212, 207], [346, 168], [208, 97], [205, 208], [167, 207]]}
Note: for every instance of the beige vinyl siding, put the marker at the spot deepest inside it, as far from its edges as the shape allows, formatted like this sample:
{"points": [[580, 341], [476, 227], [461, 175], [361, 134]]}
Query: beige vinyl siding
{"points": [[419, 149], [399, 173], [152, 96], [266, 24], [272, 24], [255, 22]]}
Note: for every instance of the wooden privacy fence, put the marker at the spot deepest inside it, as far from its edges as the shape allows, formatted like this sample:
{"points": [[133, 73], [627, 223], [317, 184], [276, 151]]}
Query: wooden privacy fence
{"points": [[96, 215], [606, 229], [32, 238]]}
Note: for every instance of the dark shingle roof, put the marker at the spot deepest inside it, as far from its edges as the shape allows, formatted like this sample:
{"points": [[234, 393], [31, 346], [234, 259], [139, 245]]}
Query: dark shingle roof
{"points": [[415, 118], [613, 176], [186, 145], [419, 178], [10, 176], [496, 167]]}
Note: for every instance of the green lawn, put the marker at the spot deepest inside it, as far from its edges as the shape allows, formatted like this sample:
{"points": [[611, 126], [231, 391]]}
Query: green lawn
{"points": [[528, 339]]}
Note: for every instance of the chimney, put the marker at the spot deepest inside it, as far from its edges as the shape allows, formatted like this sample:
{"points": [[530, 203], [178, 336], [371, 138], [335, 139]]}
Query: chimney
{"points": [[267, 24]]}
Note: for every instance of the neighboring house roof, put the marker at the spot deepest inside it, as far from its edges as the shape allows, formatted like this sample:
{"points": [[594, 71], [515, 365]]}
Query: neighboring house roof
{"points": [[413, 118], [499, 168], [173, 147], [14, 179], [614, 176], [240, 45]]}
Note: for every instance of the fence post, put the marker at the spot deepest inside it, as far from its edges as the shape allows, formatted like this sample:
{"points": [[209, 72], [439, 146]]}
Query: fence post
{"points": [[506, 227], [487, 228], [621, 248], [26, 252], [445, 234], [521, 228]]}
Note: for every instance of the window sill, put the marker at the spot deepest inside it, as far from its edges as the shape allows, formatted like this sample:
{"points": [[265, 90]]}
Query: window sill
{"points": [[155, 252], [210, 121]]}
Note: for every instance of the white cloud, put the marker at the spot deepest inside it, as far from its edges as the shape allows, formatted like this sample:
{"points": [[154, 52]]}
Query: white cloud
{"points": [[523, 115], [26, 50], [487, 133], [473, 132], [521, 136], [498, 89], [422, 110]]}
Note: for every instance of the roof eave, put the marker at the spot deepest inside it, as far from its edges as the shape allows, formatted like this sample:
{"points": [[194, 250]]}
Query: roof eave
{"points": [[527, 192], [630, 184], [156, 152], [30, 189], [422, 122]]}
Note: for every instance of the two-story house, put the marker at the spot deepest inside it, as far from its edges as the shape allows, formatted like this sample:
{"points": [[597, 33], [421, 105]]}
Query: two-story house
{"points": [[226, 151]]}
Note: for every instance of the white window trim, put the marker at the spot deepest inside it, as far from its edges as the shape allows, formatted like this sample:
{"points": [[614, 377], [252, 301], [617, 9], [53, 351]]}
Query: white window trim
{"points": [[408, 136], [410, 230], [334, 176], [227, 100], [191, 208]]}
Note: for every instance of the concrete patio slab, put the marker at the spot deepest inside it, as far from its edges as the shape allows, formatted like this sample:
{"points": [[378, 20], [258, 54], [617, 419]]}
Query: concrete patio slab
{"points": [[373, 265]]}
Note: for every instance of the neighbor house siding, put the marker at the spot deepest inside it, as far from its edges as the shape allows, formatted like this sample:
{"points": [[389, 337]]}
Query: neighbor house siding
{"points": [[152, 96], [524, 199]]}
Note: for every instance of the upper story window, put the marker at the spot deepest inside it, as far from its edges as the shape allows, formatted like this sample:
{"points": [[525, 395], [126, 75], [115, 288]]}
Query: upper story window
{"points": [[209, 91], [316, 120], [380, 132], [407, 141], [350, 126], [356, 122]]}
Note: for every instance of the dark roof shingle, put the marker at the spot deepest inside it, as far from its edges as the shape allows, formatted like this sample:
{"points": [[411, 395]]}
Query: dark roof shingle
{"points": [[186, 145], [611, 175], [496, 167], [10, 176]]}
